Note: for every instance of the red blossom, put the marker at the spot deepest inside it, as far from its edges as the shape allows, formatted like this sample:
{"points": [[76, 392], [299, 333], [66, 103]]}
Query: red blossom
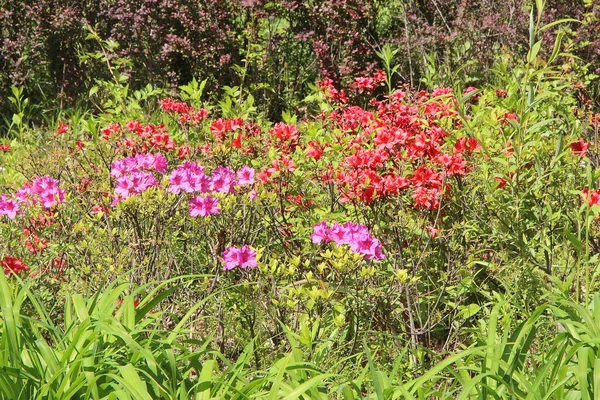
{"points": [[579, 148], [220, 127], [170, 105], [62, 128], [508, 117], [592, 198], [97, 209], [315, 150], [183, 152], [501, 182], [13, 265], [110, 130]]}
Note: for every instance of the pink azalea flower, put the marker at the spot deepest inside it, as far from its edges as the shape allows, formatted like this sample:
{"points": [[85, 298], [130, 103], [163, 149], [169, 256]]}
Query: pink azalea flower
{"points": [[178, 181], [124, 187], [338, 234], [320, 233], [355, 235], [8, 207], [200, 182], [204, 206], [160, 163], [247, 257], [118, 168], [223, 179], [230, 256], [243, 257], [49, 198], [245, 176]]}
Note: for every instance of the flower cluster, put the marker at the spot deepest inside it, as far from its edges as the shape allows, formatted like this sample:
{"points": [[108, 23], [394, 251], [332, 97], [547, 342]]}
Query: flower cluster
{"points": [[147, 137], [281, 165], [399, 147], [286, 136], [338, 96], [187, 113], [357, 236], [370, 83], [220, 127], [13, 265], [190, 177], [43, 190], [204, 206], [134, 174], [243, 257]]}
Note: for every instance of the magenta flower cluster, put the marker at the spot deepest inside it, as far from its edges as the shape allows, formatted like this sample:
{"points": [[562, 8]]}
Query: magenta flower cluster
{"points": [[43, 190], [357, 236], [190, 177], [243, 257], [135, 174]]}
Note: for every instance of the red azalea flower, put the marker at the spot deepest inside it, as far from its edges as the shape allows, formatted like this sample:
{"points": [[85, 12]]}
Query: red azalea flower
{"points": [[62, 128], [110, 130], [97, 209], [579, 148], [591, 198], [183, 152], [237, 141], [501, 182], [13, 265]]}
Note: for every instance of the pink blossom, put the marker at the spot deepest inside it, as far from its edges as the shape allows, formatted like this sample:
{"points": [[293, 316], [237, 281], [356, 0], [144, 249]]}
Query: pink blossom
{"points": [[204, 206], [138, 163], [189, 177], [243, 257], [338, 234], [8, 207], [223, 180], [45, 189], [134, 183], [245, 176], [320, 233]]}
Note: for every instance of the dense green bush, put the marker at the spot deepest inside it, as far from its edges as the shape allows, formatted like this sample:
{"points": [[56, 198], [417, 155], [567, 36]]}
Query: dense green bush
{"points": [[274, 49]]}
